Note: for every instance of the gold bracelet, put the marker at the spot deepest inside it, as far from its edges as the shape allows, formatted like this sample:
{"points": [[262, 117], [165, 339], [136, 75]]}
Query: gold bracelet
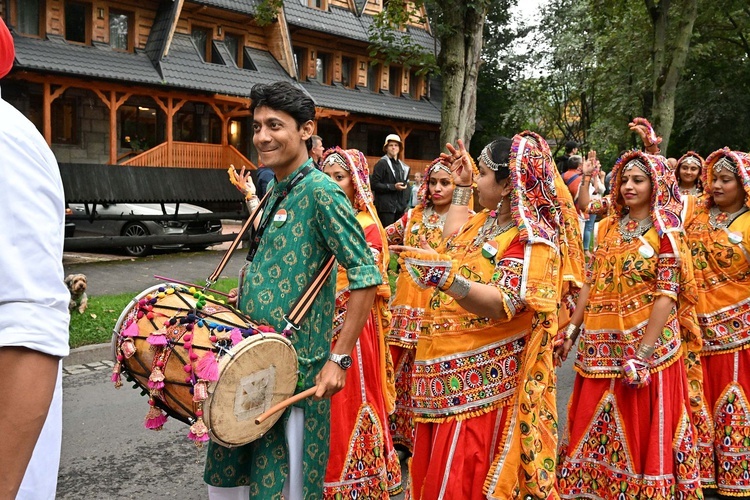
{"points": [[571, 331], [462, 195]]}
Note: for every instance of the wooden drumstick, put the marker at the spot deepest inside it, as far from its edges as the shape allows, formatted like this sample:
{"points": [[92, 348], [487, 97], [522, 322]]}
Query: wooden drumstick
{"points": [[287, 402]]}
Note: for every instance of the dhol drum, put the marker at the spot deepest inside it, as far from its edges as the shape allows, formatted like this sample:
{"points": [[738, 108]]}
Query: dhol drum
{"points": [[203, 362]]}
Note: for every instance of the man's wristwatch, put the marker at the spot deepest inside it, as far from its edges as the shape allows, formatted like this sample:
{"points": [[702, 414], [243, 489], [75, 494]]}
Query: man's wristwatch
{"points": [[343, 360]]}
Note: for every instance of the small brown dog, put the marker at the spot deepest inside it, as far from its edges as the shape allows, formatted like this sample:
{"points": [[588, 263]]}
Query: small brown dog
{"points": [[76, 283]]}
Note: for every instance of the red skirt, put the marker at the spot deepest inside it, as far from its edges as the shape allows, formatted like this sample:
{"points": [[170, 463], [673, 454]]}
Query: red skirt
{"points": [[630, 443], [362, 462], [401, 421], [452, 459], [726, 382]]}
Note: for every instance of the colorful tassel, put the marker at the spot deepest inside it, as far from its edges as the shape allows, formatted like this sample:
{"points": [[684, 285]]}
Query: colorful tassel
{"points": [[128, 348], [198, 432], [155, 418], [131, 330], [156, 379], [116, 378], [159, 337], [200, 391], [208, 367], [235, 335]]}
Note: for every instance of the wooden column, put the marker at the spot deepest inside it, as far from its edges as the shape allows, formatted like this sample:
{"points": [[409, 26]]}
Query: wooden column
{"points": [[113, 103], [170, 109], [47, 114], [345, 125]]}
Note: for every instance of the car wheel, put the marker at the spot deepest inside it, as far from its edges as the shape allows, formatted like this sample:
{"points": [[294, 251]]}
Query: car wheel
{"points": [[136, 229]]}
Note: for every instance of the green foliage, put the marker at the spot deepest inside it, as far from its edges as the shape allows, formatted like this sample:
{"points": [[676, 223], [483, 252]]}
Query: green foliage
{"points": [[392, 46], [96, 324], [267, 11]]}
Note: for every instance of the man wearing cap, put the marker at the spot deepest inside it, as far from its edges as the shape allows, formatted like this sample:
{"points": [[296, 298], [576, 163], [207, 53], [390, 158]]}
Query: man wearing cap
{"points": [[390, 182]]}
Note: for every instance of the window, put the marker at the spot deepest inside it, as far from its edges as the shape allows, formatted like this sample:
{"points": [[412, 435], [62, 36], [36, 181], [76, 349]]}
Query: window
{"points": [[394, 80], [234, 45], [64, 121], [318, 4], [119, 30], [415, 85], [348, 77], [77, 26], [247, 61], [373, 77], [30, 16], [202, 39], [300, 62], [323, 68]]}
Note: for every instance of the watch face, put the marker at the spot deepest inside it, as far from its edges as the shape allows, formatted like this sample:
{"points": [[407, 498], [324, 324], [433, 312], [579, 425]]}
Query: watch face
{"points": [[346, 362]]}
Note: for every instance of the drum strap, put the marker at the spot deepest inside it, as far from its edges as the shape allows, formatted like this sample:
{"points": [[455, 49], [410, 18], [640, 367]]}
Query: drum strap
{"points": [[305, 301], [228, 254]]}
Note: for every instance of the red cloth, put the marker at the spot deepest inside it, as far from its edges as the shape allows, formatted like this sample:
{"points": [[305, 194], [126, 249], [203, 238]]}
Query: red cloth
{"points": [[7, 50]]}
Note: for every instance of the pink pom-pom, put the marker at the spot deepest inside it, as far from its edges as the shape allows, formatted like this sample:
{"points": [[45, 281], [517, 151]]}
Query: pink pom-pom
{"points": [[131, 330], [116, 379], [208, 368], [155, 419], [235, 336], [198, 433]]}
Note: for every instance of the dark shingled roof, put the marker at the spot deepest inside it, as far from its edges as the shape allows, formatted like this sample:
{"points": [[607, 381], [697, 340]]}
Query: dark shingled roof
{"points": [[184, 67], [343, 23], [367, 102], [159, 34], [88, 183], [242, 6], [98, 61]]}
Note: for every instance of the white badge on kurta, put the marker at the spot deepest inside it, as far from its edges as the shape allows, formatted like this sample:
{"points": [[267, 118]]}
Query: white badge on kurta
{"points": [[489, 249]]}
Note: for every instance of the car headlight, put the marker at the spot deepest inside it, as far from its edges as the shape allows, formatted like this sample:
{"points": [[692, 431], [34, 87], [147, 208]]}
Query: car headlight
{"points": [[175, 224]]}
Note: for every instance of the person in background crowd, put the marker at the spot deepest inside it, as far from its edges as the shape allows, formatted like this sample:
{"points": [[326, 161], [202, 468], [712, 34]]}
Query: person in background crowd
{"points": [[34, 300], [316, 151], [690, 173], [571, 148], [362, 462], [415, 186], [718, 230], [389, 182]]}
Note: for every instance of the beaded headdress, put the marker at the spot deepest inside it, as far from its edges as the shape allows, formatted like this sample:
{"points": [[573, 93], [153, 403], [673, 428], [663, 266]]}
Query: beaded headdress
{"points": [[737, 162], [666, 203], [434, 166], [486, 157]]}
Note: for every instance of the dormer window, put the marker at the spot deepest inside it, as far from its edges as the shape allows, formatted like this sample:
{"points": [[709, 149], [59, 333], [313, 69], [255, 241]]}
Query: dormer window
{"points": [[30, 14], [77, 22], [323, 68], [119, 30], [234, 45], [202, 39], [318, 4], [394, 80], [348, 75]]}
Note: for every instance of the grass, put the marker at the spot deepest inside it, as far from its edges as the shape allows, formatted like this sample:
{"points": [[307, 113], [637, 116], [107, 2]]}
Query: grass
{"points": [[96, 324]]}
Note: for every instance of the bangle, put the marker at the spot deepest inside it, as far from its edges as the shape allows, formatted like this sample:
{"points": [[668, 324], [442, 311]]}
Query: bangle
{"points": [[252, 203], [459, 288], [462, 195], [571, 331], [463, 185], [644, 352]]}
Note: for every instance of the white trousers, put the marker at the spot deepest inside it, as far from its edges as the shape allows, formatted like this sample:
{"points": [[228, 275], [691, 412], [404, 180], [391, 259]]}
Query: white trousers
{"points": [[292, 490], [40, 480]]}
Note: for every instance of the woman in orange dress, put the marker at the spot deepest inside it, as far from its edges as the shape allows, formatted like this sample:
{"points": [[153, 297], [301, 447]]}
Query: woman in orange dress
{"points": [[362, 462], [690, 174], [629, 421], [483, 383], [424, 221], [718, 230]]}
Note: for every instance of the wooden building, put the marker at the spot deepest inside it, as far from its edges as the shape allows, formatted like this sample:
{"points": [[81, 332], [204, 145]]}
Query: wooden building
{"points": [[167, 82]]}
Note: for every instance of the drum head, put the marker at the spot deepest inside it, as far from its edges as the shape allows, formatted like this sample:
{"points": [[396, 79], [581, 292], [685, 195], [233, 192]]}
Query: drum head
{"points": [[258, 373]]}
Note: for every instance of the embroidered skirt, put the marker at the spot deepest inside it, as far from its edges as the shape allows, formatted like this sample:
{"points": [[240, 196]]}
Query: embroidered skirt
{"points": [[630, 443], [401, 421]]}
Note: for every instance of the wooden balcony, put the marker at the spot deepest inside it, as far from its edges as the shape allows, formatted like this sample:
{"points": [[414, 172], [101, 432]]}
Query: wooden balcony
{"points": [[191, 155]]}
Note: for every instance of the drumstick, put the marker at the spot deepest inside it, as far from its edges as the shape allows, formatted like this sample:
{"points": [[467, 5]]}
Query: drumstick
{"points": [[287, 402], [190, 284]]}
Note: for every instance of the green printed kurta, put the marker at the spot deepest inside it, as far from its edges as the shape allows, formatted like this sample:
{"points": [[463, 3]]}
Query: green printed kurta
{"points": [[319, 221]]}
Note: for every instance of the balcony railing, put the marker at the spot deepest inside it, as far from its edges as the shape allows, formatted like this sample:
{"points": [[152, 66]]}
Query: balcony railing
{"points": [[191, 155]]}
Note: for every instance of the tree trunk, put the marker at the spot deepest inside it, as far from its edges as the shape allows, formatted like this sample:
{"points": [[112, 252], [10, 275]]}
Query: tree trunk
{"points": [[459, 60], [669, 60]]}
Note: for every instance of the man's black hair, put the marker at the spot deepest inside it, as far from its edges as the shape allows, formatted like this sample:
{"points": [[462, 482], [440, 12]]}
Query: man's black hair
{"points": [[570, 146], [283, 96]]}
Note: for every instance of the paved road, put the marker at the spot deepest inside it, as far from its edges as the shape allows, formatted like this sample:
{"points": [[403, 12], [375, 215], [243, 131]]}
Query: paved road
{"points": [[106, 452]]}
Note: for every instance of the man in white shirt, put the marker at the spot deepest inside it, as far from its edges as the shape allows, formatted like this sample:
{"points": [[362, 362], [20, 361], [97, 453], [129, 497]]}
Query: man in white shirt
{"points": [[33, 304]]}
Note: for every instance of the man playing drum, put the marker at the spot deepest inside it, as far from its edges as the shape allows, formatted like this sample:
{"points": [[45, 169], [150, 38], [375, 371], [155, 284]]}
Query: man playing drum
{"points": [[306, 218]]}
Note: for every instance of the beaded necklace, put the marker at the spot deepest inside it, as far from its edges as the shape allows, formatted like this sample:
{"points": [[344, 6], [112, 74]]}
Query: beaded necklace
{"points": [[490, 229], [433, 220], [631, 228], [722, 220]]}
